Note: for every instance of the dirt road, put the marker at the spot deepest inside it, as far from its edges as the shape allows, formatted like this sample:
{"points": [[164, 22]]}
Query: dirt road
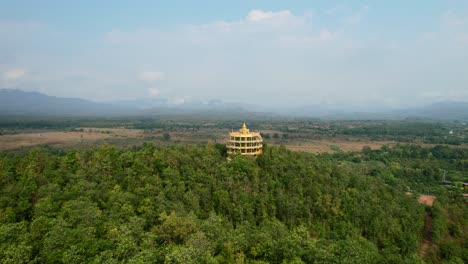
{"points": [[427, 243]]}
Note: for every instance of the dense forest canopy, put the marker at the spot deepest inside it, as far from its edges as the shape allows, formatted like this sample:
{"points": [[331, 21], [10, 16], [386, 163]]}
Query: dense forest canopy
{"points": [[189, 204]]}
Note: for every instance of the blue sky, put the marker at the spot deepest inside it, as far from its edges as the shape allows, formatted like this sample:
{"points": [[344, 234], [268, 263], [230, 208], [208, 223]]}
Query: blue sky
{"points": [[392, 53]]}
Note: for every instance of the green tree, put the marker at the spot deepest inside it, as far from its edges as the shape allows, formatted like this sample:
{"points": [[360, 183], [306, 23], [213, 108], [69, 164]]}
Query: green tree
{"points": [[166, 137]]}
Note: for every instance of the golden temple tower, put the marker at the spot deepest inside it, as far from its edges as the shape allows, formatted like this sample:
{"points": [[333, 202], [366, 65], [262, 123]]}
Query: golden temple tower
{"points": [[245, 142]]}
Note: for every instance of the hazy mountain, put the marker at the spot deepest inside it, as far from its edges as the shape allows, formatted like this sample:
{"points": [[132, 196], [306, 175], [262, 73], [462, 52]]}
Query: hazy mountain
{"points": [[17, 102], [151, 104], [334, 111], [440, 110], [437, 111], [143, 103]]}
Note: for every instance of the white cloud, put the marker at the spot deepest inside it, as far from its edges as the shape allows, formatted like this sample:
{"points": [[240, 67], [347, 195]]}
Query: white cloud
{"points": [[154, 91], [455, 27], [177, 100], [326, 35], [259, 15], [13, 74], [151, 76], [339, 9], [358, 16], [450, 19], [256, 21]]}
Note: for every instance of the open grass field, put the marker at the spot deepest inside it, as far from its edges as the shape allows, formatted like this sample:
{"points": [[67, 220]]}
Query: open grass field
{"points": [[124, 137], [63, 139], [333, 145]]}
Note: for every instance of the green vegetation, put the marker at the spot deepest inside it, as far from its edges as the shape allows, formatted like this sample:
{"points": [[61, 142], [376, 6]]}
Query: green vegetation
{"points": [[407, 131], [188, 204], [418, 168], [166, 137]]}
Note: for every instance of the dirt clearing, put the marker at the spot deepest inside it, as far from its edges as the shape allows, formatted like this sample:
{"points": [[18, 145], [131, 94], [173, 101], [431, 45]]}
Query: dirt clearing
{"points": [[426, 199]]}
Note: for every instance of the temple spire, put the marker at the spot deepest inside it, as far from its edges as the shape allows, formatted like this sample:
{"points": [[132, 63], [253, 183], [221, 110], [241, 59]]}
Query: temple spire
{"points": [[244, 129]]}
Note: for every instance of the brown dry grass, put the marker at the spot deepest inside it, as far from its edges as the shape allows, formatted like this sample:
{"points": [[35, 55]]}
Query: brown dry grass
{"points": [[121, 132], [16, 141], [324, 145], [8, 142], [120, 136]]}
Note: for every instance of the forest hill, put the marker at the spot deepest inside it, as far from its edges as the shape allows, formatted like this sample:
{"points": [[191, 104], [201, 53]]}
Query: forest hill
{"points": [[187, 204]]}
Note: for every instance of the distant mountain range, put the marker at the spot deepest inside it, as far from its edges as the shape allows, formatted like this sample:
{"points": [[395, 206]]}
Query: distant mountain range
{"points": [[440, 110], [451, 110], [17, 102]]}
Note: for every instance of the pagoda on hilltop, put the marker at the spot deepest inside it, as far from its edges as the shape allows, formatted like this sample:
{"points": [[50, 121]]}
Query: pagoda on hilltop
{"points": [[245, 142]]}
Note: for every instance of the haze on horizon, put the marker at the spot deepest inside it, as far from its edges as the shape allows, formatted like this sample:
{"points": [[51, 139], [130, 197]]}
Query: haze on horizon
{"points": [[392, 53]]}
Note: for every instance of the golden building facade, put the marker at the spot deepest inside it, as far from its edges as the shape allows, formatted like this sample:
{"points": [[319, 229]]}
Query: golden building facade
{"points": [[245, 142]]}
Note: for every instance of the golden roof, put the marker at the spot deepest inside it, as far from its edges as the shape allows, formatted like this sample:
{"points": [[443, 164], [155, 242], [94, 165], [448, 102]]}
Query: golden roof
{"points": [[244, 132]]}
